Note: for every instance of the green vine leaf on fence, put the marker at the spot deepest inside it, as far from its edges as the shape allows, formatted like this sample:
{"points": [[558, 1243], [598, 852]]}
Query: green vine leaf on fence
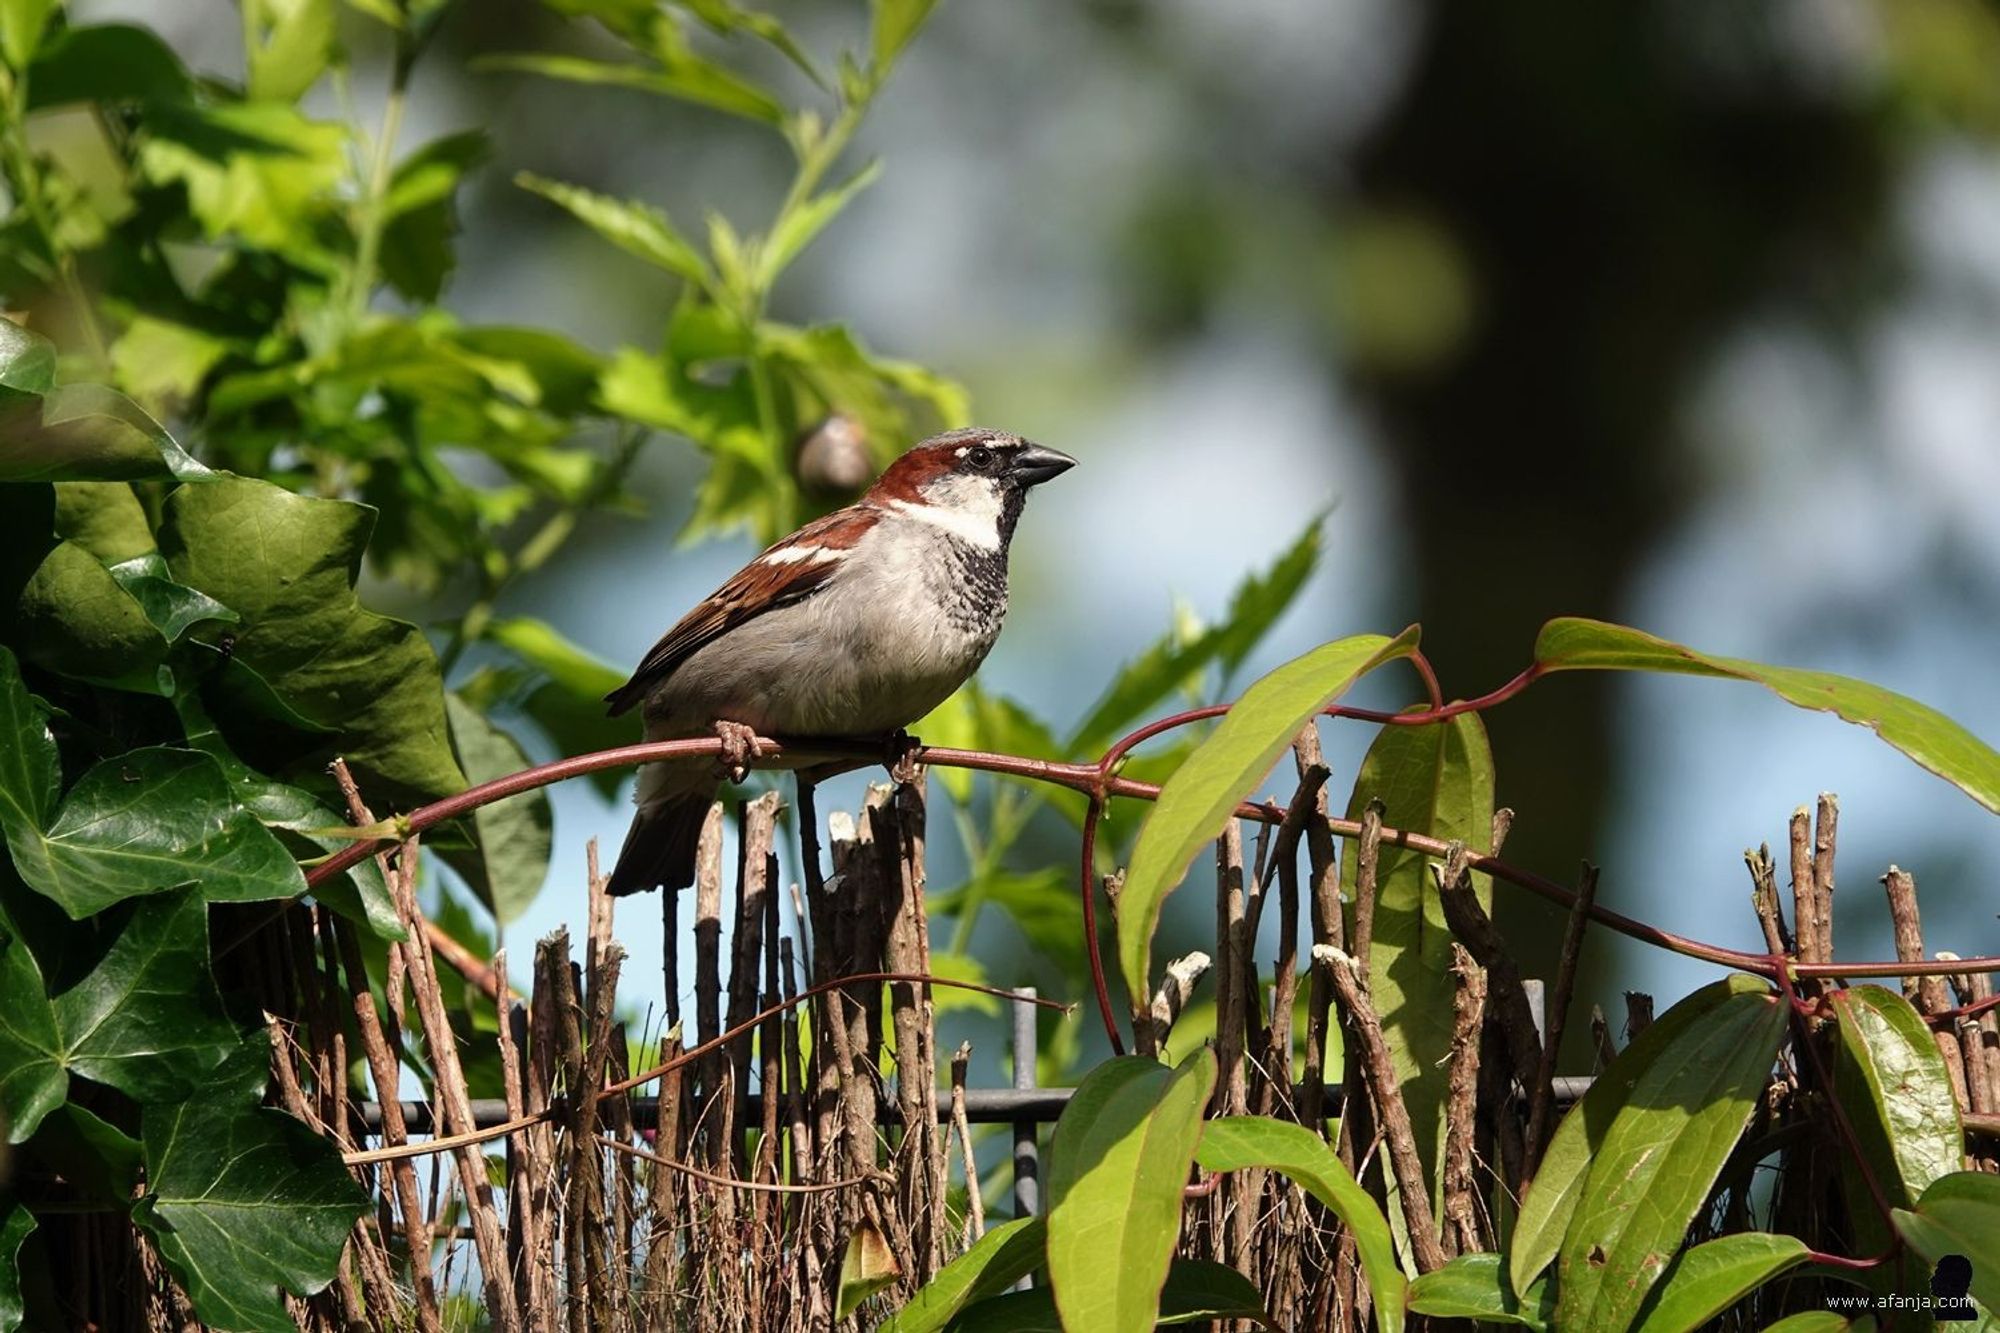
{"points": [[287, 564], [142, 1017], [1199, 798], [1660, 1156], [1552, 1197], [244, 1203], [1436, 780], [1704, 1281], [77, 620], [1117, 1163], [509, 858], [1959, 1214], [1003, 1256], [16, 1225], [1475, 1286], [1921, 732], [1234, 1143], [1892, 1081]]}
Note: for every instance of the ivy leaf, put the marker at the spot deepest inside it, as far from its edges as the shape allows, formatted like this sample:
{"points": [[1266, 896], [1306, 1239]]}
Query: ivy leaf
{"points": [[172, 607], [286, 564], [244, 1203], [99, 1160], [143, 1017], [77, 621], [105, 518], [27, 362], [16, 1225], [509, 859], [87, 432]]}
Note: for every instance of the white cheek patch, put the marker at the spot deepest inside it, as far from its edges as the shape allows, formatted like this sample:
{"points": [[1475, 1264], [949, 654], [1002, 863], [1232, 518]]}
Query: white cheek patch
{"points": [[801, 555], [966, 507]]}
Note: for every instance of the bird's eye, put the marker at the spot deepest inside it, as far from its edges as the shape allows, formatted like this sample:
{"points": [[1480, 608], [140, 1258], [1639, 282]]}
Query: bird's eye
{"points": [[979, 457]]}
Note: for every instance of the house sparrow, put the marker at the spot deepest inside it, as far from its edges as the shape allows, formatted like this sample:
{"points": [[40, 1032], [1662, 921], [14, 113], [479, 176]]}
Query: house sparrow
{"points": [[857, 624]]}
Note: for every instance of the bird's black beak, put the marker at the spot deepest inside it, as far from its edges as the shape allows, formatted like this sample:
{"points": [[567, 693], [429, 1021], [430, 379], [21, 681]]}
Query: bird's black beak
{"points": [[1035, 465]]}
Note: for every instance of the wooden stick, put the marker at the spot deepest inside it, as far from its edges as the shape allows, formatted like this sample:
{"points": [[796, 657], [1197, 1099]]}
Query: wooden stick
{"points": [[1555, 1015], [1463, 1233]]}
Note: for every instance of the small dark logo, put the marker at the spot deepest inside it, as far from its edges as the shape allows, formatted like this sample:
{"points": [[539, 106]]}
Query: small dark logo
{"points": [[1949, 1285]]}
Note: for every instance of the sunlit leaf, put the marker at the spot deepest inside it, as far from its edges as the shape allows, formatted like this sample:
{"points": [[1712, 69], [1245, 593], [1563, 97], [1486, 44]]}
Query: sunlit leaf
{"points": [[258, 170], [1475, 1286], [76, 620], [896, 22], [293, 41], [797, 227], [87, 432], [510, 857], [1700, 1283], [1003, 1256], [631, 226], [868, 1266], [1892, 1081], [1198, 799], [1924, 734]]}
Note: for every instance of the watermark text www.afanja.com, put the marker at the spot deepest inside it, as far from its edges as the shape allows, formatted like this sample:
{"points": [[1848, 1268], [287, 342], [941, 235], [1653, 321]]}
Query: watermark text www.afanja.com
{"points": [[1946, 1300]]}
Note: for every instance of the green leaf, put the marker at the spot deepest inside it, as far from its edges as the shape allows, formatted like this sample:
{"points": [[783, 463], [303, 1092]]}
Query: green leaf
{"points": [[1235, 1143], [421, 213], [21, 24], [688, 78], [293, 44], [1661, 1155], [244, 1203], [1003, 1256], [631, 226], [27, 359], [101, 1162], [568, 703], [1822, 1321], [974, 718], [86, 432], [76, 620], [797, 227], [16, 1225], [1959, 1214], [1475, 1286], [1041, 904], [255, 170], [1892, 1082], [509, 859], [1552, 1198], [105, 518], [1117, 1163], [1198, 799], [1704, 1281], [868, 1266], [286, 564], [163, 361], [1924, 734], [147, 821], [173, 608], [143, 1018], [1196, 1292], [106, 62], [896, 22], [1436, 780]]}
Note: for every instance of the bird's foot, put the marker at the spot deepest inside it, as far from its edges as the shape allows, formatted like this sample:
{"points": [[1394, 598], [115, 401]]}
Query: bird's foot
{"points": [[901, 757], [739, 747]]}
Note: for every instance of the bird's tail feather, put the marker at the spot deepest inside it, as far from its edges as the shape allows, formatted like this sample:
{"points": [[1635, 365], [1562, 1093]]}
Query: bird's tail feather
{"points": [[660, 848]]}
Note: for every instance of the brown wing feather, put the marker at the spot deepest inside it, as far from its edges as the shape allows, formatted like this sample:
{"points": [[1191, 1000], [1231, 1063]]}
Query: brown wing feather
{"points": [[760, 586]]}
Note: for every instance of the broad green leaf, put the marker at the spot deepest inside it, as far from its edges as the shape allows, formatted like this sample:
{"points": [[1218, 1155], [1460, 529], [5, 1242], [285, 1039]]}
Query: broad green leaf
{"points": [[896, 22], [1959, 1214], [76, 620], [1475, 1286], [16, 1225], [143, 1018], [105, 518], [293, 43], [256, 170], [868, 1266], [1892, 1082], [688, 78], [1704, 1281], [146, 821], [244, 1203], [86, 432], [564, 372], [30, 772], [1924, 734], [1117, 1164], [1552, 1197], [1436, 780], [1199, 798], [27, 359], [1822, 1321], [164, 362], [511, 838], [631, 226], [1003, 1256], [106, 62], [1197, 1291], [1661, 1155], [797, 227], [101, 1162], [1235, 1143], [286, 564], [1254, 607]]}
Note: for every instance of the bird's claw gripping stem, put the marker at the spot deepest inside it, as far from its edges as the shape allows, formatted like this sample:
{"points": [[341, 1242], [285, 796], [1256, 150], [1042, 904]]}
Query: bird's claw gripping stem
{"points": [[739, 748], [901, 759]]}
